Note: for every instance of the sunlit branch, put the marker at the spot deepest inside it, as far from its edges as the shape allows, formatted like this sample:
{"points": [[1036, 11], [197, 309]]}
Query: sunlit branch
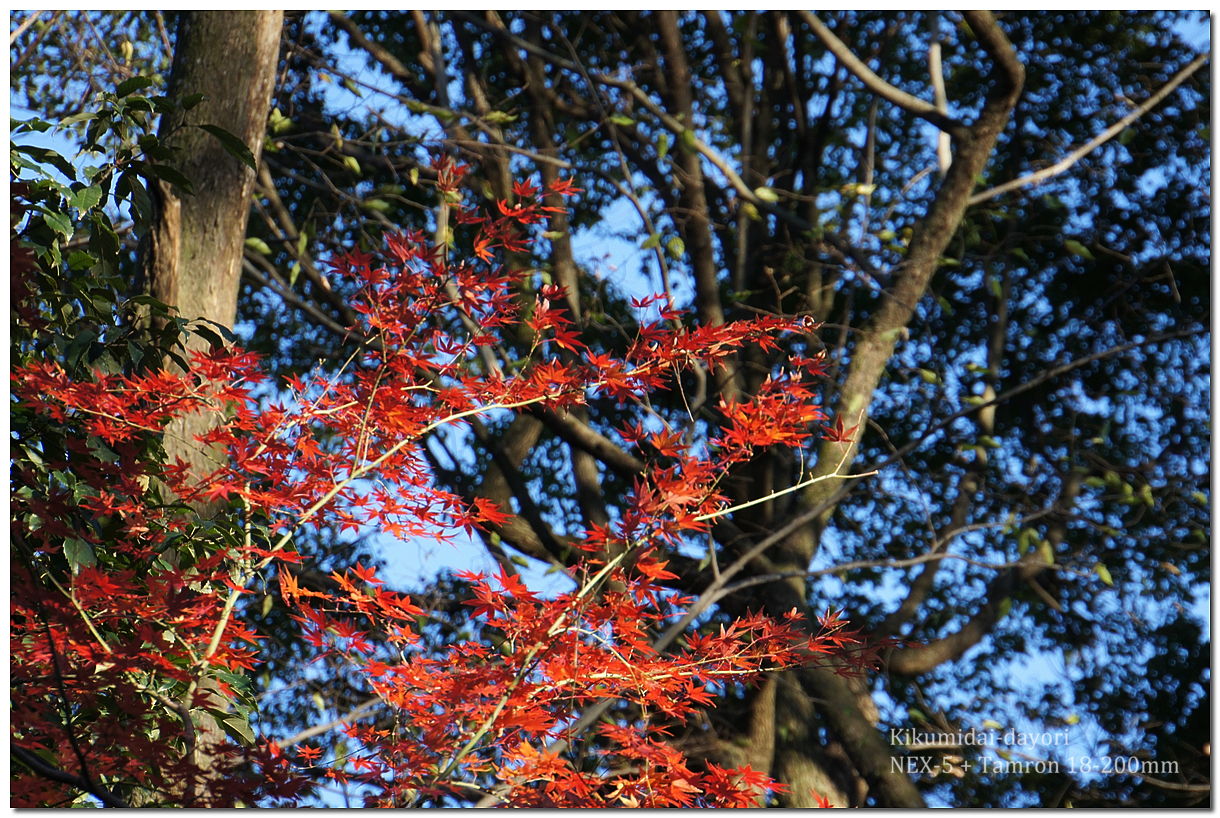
{"points": [[1038, 177], [874, 83]]}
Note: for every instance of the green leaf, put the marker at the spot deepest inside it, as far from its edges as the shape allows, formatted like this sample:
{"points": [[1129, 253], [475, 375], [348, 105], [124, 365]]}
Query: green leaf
{"points": [[997, 289], [499, 118], [351, 164], [1145, 495], [86, 198], [929, 376], [652, 241], [137, 103], [662, 146], [59, 222], [80, 260], [210, 335], [34, 124], [238, 729], [766, 194], [258, 245], [145, 300], [190, 101], [1103, 573], [857, 189], [83, 116], [689, 141], [376, 205], [79, 554], [278, 122], [233, 145], [1076, 248], [622, 119], [676, 247], [133, 84], [46, 156]]}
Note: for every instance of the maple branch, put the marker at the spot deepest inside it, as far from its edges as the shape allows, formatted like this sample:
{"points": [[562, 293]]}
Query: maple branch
{"points": [[714, 592], [527, 664], [1084, 150], [781, 492], [718, 588]]}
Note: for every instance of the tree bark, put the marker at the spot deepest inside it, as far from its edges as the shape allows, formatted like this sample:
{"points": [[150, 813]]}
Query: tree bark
{"points": [[193, 257]]}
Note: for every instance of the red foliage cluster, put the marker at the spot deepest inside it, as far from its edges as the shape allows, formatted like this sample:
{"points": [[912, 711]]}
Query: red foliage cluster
{"points": [[114, 659]]}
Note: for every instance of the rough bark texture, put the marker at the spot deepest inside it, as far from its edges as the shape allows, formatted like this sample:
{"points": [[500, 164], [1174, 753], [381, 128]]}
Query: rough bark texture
{"points": [[194, 254], [230, 57]]}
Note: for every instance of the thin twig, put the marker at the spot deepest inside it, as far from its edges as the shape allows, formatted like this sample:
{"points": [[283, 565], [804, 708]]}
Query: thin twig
{"points": [[356, 712]]}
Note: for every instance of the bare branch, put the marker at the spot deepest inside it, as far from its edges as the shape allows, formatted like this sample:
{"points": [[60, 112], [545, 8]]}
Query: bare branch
{"points": [[360, 710], [20, 29], [1084, 150], [915, 105], [944, 154], [996, 43]]}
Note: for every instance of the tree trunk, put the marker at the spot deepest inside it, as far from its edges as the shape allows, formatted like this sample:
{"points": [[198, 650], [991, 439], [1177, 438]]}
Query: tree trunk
{"points": [[193, 257]]}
